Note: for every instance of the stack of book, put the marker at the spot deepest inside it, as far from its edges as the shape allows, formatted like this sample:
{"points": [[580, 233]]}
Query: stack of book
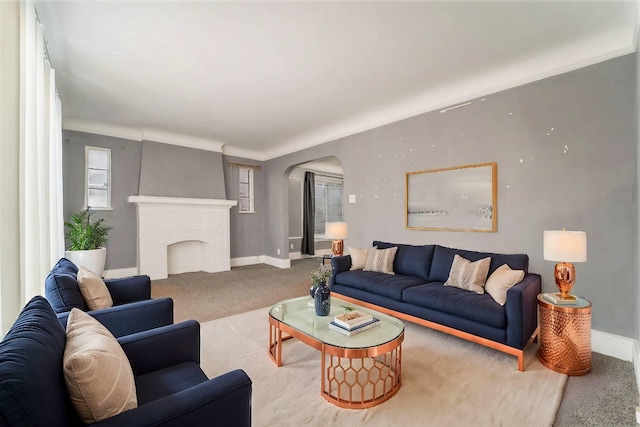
{"points": [[353, 322], [555, 298]]}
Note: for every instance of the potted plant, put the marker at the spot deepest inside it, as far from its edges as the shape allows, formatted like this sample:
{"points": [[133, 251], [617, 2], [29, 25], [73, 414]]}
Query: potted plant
{"points": [[321, 275], [86, 241]]}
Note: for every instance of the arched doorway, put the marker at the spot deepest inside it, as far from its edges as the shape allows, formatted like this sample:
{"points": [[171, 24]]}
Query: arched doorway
{"points": [[329, 203]]}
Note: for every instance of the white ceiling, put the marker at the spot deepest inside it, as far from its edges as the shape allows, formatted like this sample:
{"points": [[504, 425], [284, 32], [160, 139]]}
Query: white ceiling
{"points": [[268, 78]]}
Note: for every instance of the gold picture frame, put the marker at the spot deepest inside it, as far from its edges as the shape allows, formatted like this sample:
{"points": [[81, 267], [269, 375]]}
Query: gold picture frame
{"points": [[459, 198]]}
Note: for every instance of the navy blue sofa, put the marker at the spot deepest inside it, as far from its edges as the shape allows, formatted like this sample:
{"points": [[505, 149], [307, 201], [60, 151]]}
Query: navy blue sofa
{"points": [[133, 309], [416, 293], [171, 388]]}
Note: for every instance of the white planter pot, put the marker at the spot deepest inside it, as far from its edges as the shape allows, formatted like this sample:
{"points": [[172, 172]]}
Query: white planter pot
{"points": [[93, 259]]}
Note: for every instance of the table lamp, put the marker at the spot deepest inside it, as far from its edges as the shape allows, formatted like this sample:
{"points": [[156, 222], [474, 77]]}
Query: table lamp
{"points": [[565, 247], [336, 231]]}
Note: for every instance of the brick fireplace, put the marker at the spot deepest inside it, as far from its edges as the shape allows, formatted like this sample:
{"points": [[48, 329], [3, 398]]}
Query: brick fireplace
{"points": [[179, 235]]}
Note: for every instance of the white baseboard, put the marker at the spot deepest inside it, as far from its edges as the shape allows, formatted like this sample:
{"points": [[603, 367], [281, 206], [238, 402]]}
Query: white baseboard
{"points": [[295, 255], [321, 252], [277, 262], [247, 260], [613, 345], [120, 272]]}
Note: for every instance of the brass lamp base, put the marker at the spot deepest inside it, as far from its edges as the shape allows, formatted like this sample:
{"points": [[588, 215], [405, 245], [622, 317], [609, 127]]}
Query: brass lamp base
{"points": [[337, 247], [565, 274]]}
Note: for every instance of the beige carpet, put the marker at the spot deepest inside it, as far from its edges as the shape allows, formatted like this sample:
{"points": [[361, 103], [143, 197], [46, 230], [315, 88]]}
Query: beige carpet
{"points": [[446, 381]]}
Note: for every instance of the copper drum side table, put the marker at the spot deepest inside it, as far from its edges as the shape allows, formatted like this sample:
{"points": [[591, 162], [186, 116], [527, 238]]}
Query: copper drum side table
{"points": [[565, 336]]}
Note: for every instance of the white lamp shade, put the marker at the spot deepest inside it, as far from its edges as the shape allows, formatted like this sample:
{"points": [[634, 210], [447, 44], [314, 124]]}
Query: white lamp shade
{"points": [[335, 230], [565, 246]]}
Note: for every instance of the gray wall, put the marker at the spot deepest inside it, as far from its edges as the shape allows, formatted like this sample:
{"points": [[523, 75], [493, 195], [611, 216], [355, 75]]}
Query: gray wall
{"points": [[589, 185], [247, 229], [295, 212], [142, 168], [125, 171], [637, 194], [174, 171]]}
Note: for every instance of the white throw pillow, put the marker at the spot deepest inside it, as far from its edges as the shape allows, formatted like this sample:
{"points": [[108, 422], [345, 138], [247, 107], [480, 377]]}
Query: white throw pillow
{"points": [[358, 258], [381, 260], [93, 290], [501, 280], [97, 371], [468, 275]]}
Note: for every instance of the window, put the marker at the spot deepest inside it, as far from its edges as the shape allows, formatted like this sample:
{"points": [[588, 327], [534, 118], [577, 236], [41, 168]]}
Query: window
{"points": [[97, 178], [245, 194], [328, 201]]}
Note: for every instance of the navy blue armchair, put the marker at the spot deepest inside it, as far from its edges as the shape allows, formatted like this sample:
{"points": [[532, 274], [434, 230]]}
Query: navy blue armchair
{"points": [[172, 389], [133, 309]]}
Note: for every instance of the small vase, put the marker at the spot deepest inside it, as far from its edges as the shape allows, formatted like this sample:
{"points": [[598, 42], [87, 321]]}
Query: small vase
{"points": [[323, 300]]}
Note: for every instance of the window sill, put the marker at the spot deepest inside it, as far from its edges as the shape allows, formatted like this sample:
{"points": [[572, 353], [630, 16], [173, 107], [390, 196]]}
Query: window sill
{"points": [[246, 212], [99, 209]]}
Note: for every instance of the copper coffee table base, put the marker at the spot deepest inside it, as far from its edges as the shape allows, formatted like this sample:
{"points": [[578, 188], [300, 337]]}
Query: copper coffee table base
{"points": [[350, 378]]}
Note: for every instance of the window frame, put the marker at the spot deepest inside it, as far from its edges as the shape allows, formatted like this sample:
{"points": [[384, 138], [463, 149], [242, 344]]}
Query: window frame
{"points": [[251, 191], [328, 179], [87, 150]]}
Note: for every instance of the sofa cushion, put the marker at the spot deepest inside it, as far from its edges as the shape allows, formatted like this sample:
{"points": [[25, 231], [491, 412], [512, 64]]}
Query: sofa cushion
{"points": [[443, 259], [501, 281], [458, 302], [165, 382], [93, 290], [358, 258], [380, 260], [468, 275], [96, 370], [61, 287], [410, 260], [390, 286], [32, 388]]}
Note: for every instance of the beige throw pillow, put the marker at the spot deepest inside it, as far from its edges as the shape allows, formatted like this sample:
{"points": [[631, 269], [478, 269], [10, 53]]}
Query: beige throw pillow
{"points": [[358, 258], [501, 280], [381, 260], [468, 275], [93, 290], [97, 372]]}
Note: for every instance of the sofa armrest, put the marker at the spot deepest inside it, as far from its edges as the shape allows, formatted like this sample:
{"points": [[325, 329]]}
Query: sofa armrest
{"points": [[521, 309], [159, 348], [129, 289], [222, 401], [339, 264], [131, 318]]}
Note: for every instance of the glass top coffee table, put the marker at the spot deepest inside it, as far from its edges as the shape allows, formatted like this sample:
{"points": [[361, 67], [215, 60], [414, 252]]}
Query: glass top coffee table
{"points": [[358, 371]]}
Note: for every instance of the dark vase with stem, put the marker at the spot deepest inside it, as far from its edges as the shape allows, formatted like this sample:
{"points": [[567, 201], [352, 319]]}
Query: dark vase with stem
{"points": [[322, 299]]}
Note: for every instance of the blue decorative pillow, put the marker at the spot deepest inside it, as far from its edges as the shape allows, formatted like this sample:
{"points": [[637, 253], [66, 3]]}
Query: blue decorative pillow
{"points": [[62, 291], [410, 260], [65, 266]]}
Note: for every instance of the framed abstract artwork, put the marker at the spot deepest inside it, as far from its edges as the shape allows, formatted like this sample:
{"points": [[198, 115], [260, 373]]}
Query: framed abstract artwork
{"points": [[460, 198]]}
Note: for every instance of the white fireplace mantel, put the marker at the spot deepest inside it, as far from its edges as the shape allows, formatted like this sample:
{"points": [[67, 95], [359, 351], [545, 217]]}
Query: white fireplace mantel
{"points": [[154, 200], [178, 235]]}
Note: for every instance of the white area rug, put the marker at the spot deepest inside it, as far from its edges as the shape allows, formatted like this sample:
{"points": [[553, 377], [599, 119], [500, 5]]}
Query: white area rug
{"points": [[446, 381]]}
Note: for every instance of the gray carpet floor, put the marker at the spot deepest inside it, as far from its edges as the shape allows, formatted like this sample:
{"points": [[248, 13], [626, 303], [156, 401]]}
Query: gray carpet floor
{"points": [[607, 396]]}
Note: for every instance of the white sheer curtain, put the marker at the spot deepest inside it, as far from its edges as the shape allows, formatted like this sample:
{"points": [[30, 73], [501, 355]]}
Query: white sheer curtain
{"points": [[41, 227]]}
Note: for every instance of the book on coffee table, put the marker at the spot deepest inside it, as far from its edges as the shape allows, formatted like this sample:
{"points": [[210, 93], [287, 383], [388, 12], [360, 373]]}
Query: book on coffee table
{"points": [[355, 330], [555, 298], [352, 319]]}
